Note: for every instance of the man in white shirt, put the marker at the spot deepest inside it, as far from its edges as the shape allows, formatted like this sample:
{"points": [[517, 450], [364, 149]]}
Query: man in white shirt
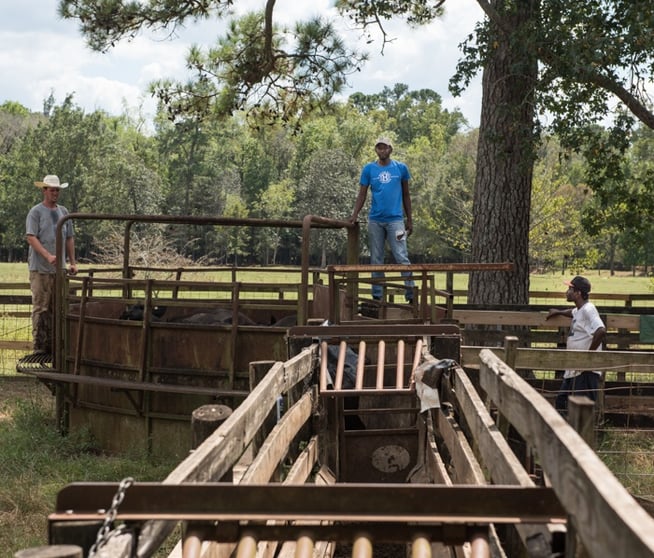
{"points": [[587, 332]]}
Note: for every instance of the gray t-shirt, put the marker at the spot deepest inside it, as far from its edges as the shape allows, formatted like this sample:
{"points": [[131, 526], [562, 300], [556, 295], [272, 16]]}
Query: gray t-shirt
{"points": [[42, 223]]}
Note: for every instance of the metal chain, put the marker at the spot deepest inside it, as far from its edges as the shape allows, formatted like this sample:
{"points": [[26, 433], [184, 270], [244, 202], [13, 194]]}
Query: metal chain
{"points": [[105, 532]]}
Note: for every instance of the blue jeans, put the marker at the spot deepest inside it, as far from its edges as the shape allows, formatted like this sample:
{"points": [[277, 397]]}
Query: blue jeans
{"points": [[393, 232]]}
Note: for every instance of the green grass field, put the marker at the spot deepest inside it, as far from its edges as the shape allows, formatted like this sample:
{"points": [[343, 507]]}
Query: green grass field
{"points": [[602, 282]]}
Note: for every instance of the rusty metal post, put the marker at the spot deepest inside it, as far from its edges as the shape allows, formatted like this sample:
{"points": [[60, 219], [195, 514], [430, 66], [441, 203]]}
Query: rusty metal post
{"points": [[381, 354], [304, 546], [233, 335], [247, 547], [361, 364], [479, 547], [399, 374], [340, 365], [192, 544], [59, 326], [323, 366], [420, 547], [303, 302], [352, 286], [362, 547]]}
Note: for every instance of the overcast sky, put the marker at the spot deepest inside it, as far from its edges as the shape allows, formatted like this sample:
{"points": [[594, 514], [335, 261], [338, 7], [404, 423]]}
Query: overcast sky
{"points": [[40, 54]]}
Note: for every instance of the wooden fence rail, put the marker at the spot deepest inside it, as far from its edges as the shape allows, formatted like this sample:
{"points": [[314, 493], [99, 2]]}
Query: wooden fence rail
{"points": [[599, 506]]}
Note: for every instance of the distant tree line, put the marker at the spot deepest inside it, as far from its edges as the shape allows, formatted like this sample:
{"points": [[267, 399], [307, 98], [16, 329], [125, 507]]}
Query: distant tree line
{"points": [[223, 165]]}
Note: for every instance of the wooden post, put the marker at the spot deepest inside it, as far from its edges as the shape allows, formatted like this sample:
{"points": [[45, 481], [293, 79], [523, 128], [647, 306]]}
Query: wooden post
{"points": [[580, 416], [56, 551], [510, 354], [257, 371], [510, 351], [205, 420]]}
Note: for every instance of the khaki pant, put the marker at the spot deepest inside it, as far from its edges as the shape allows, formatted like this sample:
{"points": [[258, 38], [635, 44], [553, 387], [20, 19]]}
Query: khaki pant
{"points": [[42, 286]]}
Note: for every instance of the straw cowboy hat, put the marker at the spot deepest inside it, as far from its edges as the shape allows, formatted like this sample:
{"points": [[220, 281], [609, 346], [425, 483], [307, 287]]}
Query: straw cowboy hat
{"points": [[51, 181]]}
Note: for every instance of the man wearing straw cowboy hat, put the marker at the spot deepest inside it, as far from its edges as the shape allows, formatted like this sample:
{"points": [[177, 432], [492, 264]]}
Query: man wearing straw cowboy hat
{"points": [[41, 226]]}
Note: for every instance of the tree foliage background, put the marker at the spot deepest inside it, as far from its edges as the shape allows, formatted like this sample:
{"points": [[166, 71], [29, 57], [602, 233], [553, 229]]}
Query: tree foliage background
{"points": [[258, 132], [222, 166]]}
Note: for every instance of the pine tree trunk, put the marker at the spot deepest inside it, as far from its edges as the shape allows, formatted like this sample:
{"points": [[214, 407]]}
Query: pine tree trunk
{"points": [[505, 161]]}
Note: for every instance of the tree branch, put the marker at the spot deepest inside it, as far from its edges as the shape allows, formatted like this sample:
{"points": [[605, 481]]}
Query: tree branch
{"points": [[268, 34], [637, 108], [493, 15]]}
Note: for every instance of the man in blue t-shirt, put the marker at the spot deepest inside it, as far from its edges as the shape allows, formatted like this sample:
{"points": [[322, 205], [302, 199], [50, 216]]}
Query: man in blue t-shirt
{"points": [[391, 201]]}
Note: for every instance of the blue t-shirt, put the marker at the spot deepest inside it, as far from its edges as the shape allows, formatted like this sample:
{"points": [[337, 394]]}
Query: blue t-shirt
{"points": [[385, 182]]}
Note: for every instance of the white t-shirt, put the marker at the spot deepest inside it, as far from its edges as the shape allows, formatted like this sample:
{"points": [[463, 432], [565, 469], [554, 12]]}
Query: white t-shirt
{"points": [[585, 322]]}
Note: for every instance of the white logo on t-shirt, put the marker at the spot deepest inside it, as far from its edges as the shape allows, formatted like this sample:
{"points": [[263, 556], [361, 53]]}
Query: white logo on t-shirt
{"points": [[385, 177]]}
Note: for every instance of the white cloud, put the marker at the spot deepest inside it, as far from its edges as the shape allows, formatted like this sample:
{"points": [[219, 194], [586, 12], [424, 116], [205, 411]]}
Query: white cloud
{"points": [[40, 53]]}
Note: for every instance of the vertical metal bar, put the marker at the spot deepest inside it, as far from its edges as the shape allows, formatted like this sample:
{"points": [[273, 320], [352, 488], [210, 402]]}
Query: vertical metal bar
{"points": [[449, 288], [479, 547], [236, 294], [352, 258], [323, 366], [361, 365], [178, 278], [145, 397], [432, 299], [399, 374], [80, 334], [247, 547], [417, 355], [362, 547], [192, 544], [335, 301], [421, 547], [145, 331], [303, 302], [340, 365], [381, 353], [304, 547], [332, 289], [58, 303], [424, 296]]}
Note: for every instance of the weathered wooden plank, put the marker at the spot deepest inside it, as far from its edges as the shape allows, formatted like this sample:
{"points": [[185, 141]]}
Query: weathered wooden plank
{"points": [[276, 446], [498, 458], [560, 359], [465, 465], [491, 317], [298, 474], [622, 321], [607, 518], [126, 385], [213, 458], [433, 460], [454, 267], [630, 322], [15, 345]]}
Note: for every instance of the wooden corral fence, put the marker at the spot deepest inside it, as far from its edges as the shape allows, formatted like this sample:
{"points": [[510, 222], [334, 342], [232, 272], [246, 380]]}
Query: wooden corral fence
{"points": [[143, 374], [463, 490]]}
